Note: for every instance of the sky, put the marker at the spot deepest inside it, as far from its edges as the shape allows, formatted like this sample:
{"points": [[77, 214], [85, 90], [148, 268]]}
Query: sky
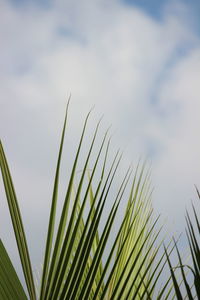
{"points": [[137, 62]]}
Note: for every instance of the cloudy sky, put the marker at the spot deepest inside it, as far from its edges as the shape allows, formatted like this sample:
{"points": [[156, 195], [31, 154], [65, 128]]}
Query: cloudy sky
{"points": [[137, 61]]}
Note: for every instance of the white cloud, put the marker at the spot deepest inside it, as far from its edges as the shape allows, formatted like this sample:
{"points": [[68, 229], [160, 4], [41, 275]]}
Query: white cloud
{"points": [[178, 166], [141, 73]]}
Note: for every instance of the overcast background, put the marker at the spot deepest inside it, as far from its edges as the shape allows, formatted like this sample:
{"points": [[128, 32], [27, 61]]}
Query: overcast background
{"points": [[138, 62]]}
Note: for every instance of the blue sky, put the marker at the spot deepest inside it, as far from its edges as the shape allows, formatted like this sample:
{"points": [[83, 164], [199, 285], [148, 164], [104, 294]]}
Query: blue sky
{"points": [[137, 61], [155, 7]]}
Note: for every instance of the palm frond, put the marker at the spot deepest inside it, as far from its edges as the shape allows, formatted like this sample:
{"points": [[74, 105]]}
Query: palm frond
{"points": [[79, 265], [192, 232]]}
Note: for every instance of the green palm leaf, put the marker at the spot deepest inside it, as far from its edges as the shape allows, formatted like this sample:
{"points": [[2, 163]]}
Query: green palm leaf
{"points": [[192, 232], [52, 214], [17, 224], [10, 286], [79, 265]]}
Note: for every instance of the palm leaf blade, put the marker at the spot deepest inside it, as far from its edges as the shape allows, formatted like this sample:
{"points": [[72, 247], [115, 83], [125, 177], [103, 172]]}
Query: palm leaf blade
{"points": [[17, 224], [10, 284], [52, 213]]}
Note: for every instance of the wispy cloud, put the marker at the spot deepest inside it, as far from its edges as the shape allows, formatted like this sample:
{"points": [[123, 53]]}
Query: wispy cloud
{"points": [[140, 71]]}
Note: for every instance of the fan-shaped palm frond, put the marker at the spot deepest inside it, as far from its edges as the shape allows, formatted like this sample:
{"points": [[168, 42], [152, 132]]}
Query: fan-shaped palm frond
{"points": [[79, 265]]}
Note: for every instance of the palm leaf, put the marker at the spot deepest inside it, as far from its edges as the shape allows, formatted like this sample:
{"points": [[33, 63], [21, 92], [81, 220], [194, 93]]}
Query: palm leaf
{"points": [[52, 213], [17, 224], [78, 264], [176, 285], [63, 220], [10, 286], [192, 233]]}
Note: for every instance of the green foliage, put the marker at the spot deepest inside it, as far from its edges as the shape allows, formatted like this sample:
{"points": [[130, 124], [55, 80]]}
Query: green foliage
{"points": [[10, 286], [192, 232], [78, 264], [17, 224]]}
